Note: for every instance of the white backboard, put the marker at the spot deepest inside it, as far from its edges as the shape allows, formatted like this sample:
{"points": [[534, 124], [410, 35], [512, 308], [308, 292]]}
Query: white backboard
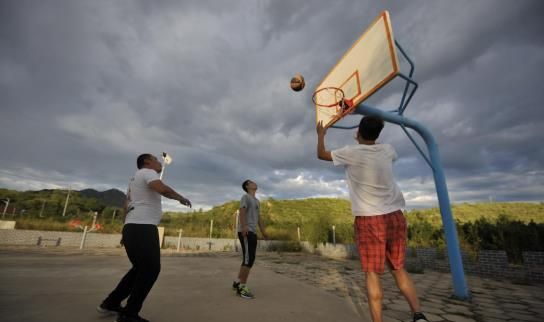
{"points": [[369, 64]]}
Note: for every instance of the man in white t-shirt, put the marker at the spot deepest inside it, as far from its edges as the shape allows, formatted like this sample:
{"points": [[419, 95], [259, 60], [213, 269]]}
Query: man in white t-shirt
{"points": [[376, 204], [143, 211]]}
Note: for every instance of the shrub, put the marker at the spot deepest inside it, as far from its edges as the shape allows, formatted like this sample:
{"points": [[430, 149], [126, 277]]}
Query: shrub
{"points": [[317, 230], [286, 246]]}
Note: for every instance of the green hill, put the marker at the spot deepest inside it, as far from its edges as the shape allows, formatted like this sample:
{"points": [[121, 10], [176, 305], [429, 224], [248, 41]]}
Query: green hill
{"points": [[42, 210], [110, 198], [52, 201], [282, 217], [514, 227]]}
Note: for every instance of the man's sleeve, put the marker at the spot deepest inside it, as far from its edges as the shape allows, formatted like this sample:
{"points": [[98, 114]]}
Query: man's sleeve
{"points": [[393, 153], [341, 156], [243, 202], [150, 175]]}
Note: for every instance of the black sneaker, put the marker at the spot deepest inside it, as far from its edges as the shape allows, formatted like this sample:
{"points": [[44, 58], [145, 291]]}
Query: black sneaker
{"points": [[244, 292], [108, 309], [235, 286], [130, 318], [419, 317]]}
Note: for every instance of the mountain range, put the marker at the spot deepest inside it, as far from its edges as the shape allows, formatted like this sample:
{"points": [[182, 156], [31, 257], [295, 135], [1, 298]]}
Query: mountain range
{"points": [[110, 198]]}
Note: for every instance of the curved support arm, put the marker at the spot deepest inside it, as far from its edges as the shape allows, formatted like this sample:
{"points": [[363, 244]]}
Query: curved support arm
{"points": [[405, 100], [344, 127]]}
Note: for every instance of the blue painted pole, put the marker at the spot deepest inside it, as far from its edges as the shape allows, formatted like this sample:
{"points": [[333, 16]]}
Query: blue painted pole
{"points": [[454, 254]]}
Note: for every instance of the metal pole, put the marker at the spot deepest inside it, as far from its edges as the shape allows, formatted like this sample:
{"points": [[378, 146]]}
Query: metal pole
{"points": [[179, 239], [113, 216], [66, 203], [460, 287], [83, 238], [5, 207]]}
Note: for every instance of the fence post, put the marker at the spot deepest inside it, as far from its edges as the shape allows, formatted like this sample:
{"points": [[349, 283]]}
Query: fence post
{"points": [[334, 235], [211, 228], [298, 232], [179, 238], [83, 238]]}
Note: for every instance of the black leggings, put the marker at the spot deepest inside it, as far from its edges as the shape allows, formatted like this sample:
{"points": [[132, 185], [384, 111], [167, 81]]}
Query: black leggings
{"points": [[249, 247], [143, 250]]}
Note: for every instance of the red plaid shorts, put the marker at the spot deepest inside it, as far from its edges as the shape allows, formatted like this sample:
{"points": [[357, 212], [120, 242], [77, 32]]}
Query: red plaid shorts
{"points": [[380, 237]]}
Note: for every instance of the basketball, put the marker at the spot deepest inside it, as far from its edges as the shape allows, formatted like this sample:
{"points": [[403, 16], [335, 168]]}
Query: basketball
{"points": [[297, 83]]}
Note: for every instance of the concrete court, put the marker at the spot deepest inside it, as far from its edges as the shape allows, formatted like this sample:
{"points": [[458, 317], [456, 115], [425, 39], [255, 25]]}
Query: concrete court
{"points": [[46, 286]]}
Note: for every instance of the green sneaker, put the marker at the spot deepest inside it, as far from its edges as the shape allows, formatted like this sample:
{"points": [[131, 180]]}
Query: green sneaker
{"points": [[244, 292]]}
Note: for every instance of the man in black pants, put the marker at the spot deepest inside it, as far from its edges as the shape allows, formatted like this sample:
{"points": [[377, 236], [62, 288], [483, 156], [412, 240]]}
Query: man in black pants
{"points": [[143, 211], [248, 220]]}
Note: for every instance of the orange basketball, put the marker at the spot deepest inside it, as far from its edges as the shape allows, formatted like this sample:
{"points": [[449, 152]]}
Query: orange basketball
{"points": [[297, 83]]}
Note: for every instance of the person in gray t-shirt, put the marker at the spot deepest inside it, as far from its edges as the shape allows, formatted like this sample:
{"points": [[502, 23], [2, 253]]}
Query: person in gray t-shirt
{"points": [[248, 220]]}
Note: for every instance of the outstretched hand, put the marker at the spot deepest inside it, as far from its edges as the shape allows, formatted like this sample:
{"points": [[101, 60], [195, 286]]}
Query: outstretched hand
{"points": [[321, 129], [186, 202]]}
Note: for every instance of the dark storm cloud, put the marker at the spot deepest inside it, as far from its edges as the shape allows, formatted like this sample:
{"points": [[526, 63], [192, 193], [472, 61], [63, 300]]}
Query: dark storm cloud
{"points": [[87, 86], [444, 38]]}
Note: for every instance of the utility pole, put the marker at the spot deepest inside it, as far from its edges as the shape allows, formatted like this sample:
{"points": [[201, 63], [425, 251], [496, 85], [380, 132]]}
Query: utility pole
{"points": [[41, 211], [66, 203], [6, 201]]}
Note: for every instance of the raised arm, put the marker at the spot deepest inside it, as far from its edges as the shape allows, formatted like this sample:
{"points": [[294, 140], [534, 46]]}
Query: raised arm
{"points": [[322, 152], [164, 190]]}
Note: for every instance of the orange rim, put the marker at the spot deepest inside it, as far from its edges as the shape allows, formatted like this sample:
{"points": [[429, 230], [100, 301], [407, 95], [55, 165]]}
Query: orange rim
{"points": [[335, 90]]}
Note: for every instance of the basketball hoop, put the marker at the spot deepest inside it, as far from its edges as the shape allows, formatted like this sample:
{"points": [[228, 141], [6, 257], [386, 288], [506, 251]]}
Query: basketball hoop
{"points": [[328, 97]]}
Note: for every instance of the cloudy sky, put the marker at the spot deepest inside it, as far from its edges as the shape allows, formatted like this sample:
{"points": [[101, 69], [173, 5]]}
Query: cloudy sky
{"points": [[86, 86]]}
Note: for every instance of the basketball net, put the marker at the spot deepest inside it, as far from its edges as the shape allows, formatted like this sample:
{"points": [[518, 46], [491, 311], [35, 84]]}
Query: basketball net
{"points": [[333, 97]]}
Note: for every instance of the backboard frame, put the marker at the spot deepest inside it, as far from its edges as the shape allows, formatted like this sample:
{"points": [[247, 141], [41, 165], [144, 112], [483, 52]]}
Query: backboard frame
{"points": [[349, 76]]}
